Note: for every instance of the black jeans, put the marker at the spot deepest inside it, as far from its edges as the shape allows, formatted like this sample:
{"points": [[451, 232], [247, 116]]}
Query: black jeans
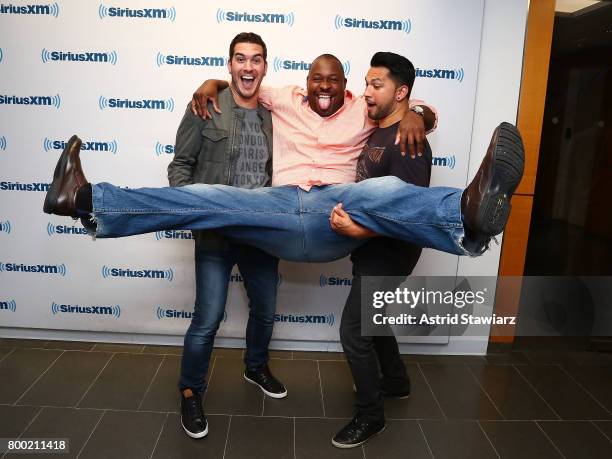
{"points": [[370, 356]]}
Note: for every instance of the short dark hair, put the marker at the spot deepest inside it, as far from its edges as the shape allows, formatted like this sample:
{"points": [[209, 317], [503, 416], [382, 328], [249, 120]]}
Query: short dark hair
{"points": [[400, 68], [248, 37]]}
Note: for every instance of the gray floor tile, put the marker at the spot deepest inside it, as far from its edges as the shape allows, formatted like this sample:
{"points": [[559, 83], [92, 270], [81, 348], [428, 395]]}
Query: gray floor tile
{"points": [[280, 354], [14, 419], [592, 358], [444, 359], [549, 357], [20, 369], [67, 380], [596, 380], [447, 381], [313, 439], [578, 439], [112, 347], [175, 444], [123, 382], [337, 383], [260, 438], [229, 393], [163, 395], [457, 440], [520, 439], [301, 378], [73, 424], [173, 350], [23, 343], [4, 351], [310, 355], [564, 396], [404, 436], [605, 427], [228, 353], [70, 345], [420, 405], [512, 395], [124, 434], [506, 358]]}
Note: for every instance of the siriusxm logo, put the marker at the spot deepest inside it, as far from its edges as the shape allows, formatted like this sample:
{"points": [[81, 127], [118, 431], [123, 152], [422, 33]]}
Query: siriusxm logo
{"points": [[9, 305], [2, 142], [161, 149], [165, 313], [173, 234], [5, 226], [50, 101], [237, 278], [205, 61], [143, 13], [444, 74], [281, 64], [88, 145], [114, 311], [157, 274], [143, 104], [305, 319], [40, 9], [65, 230], [444, 161], [377, 24], [41, 269], [109, 57], [325, 281], [18, 186], [265, 18]]}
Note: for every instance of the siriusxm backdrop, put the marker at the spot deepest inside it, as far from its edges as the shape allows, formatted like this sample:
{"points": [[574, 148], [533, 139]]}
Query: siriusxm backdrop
{"points": [[120, 74]]}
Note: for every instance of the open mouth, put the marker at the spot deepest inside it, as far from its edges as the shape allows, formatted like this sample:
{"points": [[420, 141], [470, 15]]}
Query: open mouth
{"points": [[324, 101], [248, 81]]}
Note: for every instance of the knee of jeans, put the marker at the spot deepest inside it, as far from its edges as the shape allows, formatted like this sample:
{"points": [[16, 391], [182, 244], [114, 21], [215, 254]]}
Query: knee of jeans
{"points": [[204, 325], [263, 316]]}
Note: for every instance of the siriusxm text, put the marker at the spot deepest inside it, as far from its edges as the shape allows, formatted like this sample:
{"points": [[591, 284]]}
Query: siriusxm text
{"points": [[303, 319], [271, 18], [21, 268], [26, 100], [208, 61], [380, 24], [151, 13], [141, 273], [86, 146], [25, 9], [17, 186], [64, 56]]}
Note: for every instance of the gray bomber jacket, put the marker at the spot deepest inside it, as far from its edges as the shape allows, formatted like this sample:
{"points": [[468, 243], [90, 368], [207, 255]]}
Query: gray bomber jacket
{"points": [[204, 148]]}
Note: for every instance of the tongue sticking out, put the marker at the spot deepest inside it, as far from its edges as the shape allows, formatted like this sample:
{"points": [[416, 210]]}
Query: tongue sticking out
{"points": [[324, 102]]}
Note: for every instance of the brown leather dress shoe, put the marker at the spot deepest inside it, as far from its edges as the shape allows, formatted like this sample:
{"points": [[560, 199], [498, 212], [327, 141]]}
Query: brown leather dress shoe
{"points": [[68, 177], [485, 203]]}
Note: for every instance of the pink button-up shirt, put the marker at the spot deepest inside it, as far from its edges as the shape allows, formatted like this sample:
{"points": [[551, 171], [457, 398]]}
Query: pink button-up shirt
{"points": [[313, 150]]}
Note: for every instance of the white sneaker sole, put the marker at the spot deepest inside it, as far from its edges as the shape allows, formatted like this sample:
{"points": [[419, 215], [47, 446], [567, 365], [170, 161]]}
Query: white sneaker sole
{"points": [[195, 435], [269, 394]]}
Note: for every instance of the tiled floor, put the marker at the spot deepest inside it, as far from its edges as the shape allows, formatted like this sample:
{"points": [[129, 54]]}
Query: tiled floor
{"points": [[120, 401]]}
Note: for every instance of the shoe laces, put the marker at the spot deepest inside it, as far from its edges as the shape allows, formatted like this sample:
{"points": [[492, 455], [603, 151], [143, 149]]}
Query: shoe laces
{"points": [[194, 406]]}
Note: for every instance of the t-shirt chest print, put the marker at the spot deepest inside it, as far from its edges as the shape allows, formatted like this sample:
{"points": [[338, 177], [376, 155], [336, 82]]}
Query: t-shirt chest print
{"points": [[369, 163], [250, 154]]}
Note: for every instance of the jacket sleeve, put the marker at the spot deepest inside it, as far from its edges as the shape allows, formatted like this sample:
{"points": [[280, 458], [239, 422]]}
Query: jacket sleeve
{"points": [[186, 150]]}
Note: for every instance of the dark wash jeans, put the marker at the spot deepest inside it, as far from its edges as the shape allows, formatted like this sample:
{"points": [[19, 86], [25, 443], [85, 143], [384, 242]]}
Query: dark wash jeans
{"points": [[213, 271]]}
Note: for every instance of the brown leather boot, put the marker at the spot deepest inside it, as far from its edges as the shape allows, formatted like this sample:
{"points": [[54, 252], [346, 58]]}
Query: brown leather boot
{"points": [[485, 203], [68, 177]]}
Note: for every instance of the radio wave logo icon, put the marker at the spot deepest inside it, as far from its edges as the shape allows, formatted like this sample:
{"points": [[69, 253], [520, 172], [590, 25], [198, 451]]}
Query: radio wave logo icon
{"points": [[169, 274], [5, 227], [459, 74], [347, 67], [102, 11], [2, 142], [8, 305], [62, 270], [1, 55], [161, 149], [323, 281], [444, 161], [50, 229], [55, 9], [161, 59], [220, 15], [106, 272], [47, 144], [278, 63], [103, 103], [330, 319], [56, 101], [161, 313]]}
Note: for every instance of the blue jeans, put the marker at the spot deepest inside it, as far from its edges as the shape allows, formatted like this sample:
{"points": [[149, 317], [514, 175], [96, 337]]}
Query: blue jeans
{"points": [[213, 270], [288, 222]]}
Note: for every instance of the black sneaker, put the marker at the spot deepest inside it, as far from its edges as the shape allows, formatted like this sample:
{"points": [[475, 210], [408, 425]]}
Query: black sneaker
{"points": [[262, 377], [193, 419], [357, 432]]}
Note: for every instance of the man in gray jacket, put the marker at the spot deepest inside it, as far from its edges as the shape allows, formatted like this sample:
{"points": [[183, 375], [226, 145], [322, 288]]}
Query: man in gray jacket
{"points": [[233, 147]]}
